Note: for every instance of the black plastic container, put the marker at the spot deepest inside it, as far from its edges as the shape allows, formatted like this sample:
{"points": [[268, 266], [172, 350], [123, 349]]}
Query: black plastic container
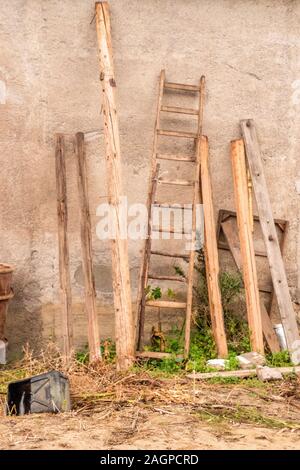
{"points": [[44, 393]]}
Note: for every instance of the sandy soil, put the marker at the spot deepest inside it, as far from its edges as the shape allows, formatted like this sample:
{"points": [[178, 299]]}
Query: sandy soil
{"points": [[138, 430]]}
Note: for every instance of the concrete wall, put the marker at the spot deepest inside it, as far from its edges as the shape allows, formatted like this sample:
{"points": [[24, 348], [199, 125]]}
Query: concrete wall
{"points": [[249, 52]]}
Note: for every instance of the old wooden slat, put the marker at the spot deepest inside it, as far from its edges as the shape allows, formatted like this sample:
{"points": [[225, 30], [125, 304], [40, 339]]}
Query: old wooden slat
{"points": [[284, 228], [166, 205], [120, 268], [86, 248], [160, 277], [238, 373], [170, 133], [64, 262], [246, 245], [276, 264], [155, 355], [165, 304], [231, 235], [176, 158], [211, 255], [175, 182], [177, 109], [169, 254], [181, 87]]}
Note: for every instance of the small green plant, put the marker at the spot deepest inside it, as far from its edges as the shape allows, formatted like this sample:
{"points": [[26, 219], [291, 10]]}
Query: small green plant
{"points": [[233, 363], [82, 356], [279, 359], [153, 293], [171, 294]]}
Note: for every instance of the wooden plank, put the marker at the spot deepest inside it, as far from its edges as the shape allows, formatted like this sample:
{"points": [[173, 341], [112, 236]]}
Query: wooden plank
{"points": [[166, 205], [224, 246], [176, 158], [168, 230], [64, 260], [226, 213], [165, 304], [124, 332], [181, 87], [273, 300], [169, 254], [176, 109], [176, 182], [231, 235], [246, 245], [277, 269], [239, 373], [211, 255], [159, 277], [250, 200], [86, 248], [170, 133], [155, 355]]}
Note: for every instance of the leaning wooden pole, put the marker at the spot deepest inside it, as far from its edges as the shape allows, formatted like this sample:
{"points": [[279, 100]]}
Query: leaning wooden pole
{"points": [[278, 273], [239, 171], [211, 254], [64, 262], [124, 333], [86, 248]]}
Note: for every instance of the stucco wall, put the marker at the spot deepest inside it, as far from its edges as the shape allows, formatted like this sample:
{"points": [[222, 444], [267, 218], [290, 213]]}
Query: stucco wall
{"points": [[249, 52]]}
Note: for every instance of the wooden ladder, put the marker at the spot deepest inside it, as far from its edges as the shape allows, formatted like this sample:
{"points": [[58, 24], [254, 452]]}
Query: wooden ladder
{"points": [[155, 180]]}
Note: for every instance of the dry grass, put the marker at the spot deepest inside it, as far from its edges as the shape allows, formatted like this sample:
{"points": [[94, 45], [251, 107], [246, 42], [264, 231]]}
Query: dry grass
{"points": [[100, 388]]}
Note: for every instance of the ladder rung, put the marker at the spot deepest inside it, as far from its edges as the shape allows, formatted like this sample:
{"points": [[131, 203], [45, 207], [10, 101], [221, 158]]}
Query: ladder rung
{"points": [[157, 277], [188, 135], [177, 158], [165, 304], [181, 86], [169, 255], [169, 230], [176, 182], [176, 109], [165, 205], [155, 355]]}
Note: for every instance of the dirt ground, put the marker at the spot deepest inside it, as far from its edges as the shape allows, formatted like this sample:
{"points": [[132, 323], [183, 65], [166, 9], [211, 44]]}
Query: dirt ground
{"points": [[138, 430], [139, 411]]}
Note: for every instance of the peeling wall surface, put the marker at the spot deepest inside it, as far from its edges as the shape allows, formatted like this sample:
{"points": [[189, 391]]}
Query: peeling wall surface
{"points": [[49, 82]]}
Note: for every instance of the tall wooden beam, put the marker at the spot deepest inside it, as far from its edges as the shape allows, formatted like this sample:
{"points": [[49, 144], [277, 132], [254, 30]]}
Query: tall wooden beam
{"points": [[277, 269], [64, 262], [211, 254], [124, 332], [246, 243], [232, 238], [86, 248]]}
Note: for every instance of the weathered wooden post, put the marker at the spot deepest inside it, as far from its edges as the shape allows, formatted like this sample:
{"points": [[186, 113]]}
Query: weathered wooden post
{"points": [[86, 248], [124, 332], [64, 262], [211, 254], [264, 208], [239, 171]]}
